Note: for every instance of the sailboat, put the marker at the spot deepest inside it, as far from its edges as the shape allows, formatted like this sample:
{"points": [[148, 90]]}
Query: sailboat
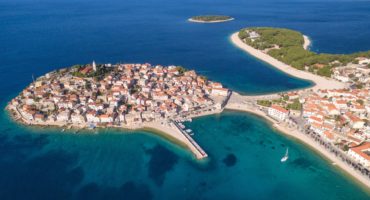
{"points": [[285, 158]]}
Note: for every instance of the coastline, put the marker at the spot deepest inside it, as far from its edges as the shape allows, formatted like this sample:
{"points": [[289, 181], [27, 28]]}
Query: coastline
{"points": [[318, 81], [209, 22], [164, 129], [294, 133]]}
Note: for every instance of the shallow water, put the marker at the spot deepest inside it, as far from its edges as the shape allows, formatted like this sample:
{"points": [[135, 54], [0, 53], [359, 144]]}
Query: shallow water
{"points": [[40, 35]]}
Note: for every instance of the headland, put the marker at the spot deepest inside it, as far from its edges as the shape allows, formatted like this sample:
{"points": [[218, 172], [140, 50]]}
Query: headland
{"points": [[129, 96]]}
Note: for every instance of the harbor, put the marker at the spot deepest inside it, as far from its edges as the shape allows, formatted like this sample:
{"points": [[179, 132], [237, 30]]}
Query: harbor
{"points": [[177, 131]]}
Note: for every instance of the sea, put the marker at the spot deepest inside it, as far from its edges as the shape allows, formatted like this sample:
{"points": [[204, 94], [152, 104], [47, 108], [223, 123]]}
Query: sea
{"points": [[38, 36]]}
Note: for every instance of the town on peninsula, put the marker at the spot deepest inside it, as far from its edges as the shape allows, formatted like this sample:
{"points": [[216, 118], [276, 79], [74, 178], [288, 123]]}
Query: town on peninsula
{"points": [[332, 116]]}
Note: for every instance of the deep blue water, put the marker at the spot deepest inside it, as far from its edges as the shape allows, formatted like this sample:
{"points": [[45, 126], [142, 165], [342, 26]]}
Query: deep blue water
{"points": [[37, 36]]}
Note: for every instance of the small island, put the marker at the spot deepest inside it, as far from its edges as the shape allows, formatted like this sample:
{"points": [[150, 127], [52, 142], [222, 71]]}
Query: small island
{"points": [[210, 18]]}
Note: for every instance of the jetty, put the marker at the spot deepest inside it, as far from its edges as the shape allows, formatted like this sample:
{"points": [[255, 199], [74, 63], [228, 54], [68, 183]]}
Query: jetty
{"points": [[199, 152], [172, 129]]}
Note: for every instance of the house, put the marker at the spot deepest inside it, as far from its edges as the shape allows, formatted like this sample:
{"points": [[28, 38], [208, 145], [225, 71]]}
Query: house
{"points": [[63, 116], [28, 114], [328, 135], [253, 35], [219, 91], [332, 109], [354, 121], [344, 79], [278, 112], [39, 117], [361, 154], [363, 60], [106, 118], [91, 117], [77, 118]]}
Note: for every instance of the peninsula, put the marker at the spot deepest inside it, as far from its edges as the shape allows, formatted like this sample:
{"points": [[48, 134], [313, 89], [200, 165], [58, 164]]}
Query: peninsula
{"points": [[131, 96], [332, 117], [210, 18]]}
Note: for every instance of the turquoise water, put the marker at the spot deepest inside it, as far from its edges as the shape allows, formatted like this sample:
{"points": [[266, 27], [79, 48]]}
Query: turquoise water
{"points": [[40, 35]]}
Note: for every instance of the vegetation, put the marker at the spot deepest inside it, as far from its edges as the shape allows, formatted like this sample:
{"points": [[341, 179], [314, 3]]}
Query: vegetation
{"points": [[135, 89], [265, 103], [205, 78], [295, 105], [287, 46], [100, 72], [181, 70], [211, 18], [360, 101]]}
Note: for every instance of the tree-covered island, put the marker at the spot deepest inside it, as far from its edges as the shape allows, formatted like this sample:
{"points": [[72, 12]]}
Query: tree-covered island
{"points": [[210, 18]]}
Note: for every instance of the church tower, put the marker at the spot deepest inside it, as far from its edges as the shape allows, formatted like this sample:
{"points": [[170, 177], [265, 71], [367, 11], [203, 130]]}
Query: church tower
{"points": [[94, 66]]}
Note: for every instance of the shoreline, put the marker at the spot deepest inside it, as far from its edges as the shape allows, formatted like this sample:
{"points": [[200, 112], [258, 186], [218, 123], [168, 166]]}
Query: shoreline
{"points": [[304, 139], [167, 130], [209, 22], [318, 81]]}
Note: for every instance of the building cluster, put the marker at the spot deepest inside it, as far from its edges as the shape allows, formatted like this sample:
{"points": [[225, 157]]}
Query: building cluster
{"points": [[340, 116], [354, 73], [117, 95]]}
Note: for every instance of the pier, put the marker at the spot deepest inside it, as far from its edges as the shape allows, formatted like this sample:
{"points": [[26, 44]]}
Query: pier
{"points": [[200, 153]]}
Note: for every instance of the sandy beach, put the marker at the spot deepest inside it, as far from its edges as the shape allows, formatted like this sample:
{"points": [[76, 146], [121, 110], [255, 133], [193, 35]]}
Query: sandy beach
{"points": [[307, 42], [319, 82], [174, 133], [236, 104]]}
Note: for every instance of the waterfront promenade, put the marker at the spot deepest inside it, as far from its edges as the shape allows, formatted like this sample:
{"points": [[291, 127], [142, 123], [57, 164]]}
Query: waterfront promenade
{"points": [[291, 128]]}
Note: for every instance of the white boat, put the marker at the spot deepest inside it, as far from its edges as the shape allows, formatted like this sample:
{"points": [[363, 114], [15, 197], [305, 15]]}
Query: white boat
{"points": [[63, 130], [92, 126], [181, 125], [286, 156]]}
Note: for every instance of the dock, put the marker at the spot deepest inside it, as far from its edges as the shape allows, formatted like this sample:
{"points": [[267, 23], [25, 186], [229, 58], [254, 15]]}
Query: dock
{"points": [[199, 153]]}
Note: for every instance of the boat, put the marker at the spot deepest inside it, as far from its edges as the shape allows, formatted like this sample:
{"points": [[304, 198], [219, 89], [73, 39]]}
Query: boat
{"points": [[92, 126], [181, 125], [188, 130], [63, 130], [286, 156]]}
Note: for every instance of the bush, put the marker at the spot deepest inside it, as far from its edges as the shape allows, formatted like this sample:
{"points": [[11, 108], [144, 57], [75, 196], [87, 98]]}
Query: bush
{"points": [[265, 103]]}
